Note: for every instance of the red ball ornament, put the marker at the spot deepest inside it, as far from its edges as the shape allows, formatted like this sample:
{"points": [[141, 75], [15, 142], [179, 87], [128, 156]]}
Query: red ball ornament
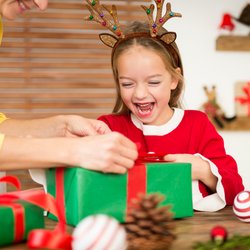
{"points": [[218, 234], [241, 206]]}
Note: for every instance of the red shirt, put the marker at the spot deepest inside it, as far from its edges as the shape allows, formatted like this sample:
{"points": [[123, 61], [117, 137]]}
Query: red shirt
{"points": [[188, 132]]}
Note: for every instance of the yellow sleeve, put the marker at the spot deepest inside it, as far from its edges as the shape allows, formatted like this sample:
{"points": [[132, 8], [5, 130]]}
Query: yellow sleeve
{"points": [[1, 140], [1, 30], [2, 117]]}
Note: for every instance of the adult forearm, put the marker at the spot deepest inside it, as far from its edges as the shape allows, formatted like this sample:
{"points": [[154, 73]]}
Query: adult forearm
{"points": [[24, 153], [44, 127], [111, 152]]}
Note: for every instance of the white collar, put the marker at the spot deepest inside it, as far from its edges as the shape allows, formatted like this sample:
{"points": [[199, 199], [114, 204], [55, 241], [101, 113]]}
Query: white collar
{"points": [[161, 129]]}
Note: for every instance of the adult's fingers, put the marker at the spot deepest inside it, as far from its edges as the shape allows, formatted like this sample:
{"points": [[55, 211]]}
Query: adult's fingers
{"points": [[116, 169], [100, 126]]}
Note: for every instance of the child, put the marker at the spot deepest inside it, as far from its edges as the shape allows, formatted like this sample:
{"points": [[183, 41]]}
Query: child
{"points": [[149, 81]]}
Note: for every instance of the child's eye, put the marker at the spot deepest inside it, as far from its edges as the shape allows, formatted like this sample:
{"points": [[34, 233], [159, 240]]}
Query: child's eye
{"points": [[127, 84], [154, 82]]}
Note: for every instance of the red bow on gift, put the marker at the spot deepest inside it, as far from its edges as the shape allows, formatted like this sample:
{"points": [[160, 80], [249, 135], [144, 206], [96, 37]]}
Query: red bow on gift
{"points": [[38, 238], [150, 157]]}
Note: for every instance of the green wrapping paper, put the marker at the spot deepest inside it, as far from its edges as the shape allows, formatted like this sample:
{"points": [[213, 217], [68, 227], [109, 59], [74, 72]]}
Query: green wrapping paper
{"points": [[10, 224], [82, 192]]}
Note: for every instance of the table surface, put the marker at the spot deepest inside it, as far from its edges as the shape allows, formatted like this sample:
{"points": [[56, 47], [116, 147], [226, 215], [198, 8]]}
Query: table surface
{"points": [[188, 230]]}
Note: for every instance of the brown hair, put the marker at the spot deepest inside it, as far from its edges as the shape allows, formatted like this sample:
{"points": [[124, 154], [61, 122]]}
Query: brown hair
{"points": [[168, 52]]}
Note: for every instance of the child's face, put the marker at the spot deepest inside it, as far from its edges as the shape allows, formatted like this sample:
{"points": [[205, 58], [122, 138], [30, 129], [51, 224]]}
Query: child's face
{"points": [[145, 85], [13, 8]]}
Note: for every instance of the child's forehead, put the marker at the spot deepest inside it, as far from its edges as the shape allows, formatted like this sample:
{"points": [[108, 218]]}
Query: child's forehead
{"points": [[139, 50]]}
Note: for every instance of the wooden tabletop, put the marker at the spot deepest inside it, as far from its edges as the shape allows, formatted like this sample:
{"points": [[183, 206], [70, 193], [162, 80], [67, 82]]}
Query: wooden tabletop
{"points": [[188, 230]]}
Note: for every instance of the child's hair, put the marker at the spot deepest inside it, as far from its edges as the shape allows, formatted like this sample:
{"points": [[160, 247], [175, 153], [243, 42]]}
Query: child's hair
{"points": [[169, 54]]}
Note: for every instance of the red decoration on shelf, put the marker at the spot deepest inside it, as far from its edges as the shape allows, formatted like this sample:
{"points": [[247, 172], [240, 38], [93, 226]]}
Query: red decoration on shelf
{"points": [[219, 234], [245, 100], [227, 23]]}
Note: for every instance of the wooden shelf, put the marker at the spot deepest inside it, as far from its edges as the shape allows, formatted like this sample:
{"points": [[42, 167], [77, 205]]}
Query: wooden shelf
{"points": [[241, 123], [233, 43]]}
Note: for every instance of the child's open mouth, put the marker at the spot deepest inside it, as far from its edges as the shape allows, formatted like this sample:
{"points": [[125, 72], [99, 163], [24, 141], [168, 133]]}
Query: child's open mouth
{"points": [[144, 109]]}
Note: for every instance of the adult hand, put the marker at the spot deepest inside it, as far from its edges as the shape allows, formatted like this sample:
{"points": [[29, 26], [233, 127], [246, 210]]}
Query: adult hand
{"points": [[111, 152], [78, 126]]}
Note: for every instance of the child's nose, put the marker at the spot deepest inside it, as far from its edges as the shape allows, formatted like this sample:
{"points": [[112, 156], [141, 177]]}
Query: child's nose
{"points": [[141, 91]]}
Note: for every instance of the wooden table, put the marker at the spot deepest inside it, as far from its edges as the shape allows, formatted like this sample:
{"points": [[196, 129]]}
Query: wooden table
{"points": [[188, 230]]}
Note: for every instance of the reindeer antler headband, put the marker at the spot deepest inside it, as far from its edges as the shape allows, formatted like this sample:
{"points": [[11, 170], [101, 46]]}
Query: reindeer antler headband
{"points": [[98, 10]]}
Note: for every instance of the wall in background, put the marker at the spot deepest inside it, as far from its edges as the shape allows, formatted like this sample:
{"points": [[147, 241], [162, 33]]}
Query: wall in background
{"points": [[196, 32]]}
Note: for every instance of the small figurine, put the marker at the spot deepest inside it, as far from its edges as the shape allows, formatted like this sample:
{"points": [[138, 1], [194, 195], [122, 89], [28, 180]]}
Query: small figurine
{"points": [[213, 109]]}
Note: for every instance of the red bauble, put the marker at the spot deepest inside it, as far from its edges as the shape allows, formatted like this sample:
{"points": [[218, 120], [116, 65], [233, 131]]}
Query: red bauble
{"points": [[219, 234], [241, 206]]}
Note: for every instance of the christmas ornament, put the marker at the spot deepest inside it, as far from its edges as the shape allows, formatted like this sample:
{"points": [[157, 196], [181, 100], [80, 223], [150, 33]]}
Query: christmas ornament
{"points": [[149, 226], [218, 234], [99, 232], [226, 22], [241, 206]]}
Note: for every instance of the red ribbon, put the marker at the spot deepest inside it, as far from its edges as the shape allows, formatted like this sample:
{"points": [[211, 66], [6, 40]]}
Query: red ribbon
{"points": [[39, 238], [137, 176], [246, 99], [60, 192], [137, 183]]}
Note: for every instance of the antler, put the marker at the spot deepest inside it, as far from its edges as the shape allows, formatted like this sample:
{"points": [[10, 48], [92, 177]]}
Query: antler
{"points": [[97, 14], [159, 20]]}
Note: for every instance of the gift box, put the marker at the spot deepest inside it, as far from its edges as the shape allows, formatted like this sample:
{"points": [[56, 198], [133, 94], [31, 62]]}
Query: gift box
{"points": [[19, 213], [81, 192], [17, 219], [242, 99]]}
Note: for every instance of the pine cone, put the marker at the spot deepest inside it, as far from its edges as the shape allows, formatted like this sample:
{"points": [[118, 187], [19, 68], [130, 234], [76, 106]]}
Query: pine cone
{"points": [[149, 226]]}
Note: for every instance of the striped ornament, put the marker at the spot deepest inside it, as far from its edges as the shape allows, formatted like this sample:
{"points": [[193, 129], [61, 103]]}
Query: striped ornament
{"points": [[241, 206], [99, 232]]}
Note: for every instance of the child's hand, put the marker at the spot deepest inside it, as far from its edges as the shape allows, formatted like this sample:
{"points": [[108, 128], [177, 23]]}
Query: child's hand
{"points": [[200, 168]]}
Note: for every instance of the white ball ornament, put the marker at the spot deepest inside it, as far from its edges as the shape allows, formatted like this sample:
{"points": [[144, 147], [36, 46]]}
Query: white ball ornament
{"points": [[241, 206], [99, 232]]}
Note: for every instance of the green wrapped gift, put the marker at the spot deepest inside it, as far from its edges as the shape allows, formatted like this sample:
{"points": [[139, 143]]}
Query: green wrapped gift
{"points": [[17, 219], [82, 192]]}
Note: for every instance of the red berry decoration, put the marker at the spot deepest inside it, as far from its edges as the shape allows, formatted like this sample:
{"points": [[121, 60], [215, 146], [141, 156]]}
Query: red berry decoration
{"points": [[218, 234], [241, 206]]}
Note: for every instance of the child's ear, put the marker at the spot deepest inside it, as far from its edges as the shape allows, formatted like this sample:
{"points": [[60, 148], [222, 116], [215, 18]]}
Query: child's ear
{"points": [[175, 80], [178, 70]]}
